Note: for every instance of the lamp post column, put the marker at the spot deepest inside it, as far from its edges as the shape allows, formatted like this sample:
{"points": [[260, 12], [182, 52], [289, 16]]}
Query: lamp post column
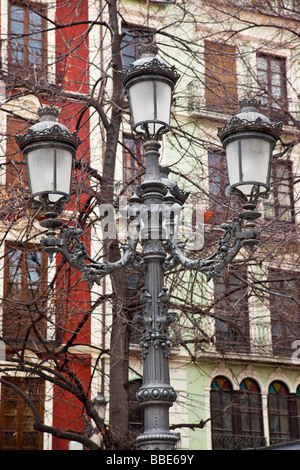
{"points": [[156, 394]]}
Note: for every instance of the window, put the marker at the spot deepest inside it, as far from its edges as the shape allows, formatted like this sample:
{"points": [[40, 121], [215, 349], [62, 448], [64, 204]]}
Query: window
{"points": [[27, 38], [17, 420], [280, 205], [283, 411], [132, 162], [25, 293], [221, 398], [133, 37], [218, 185], [271, 75], [135, 409], [220, 78], [231, 312], [284, 308], [16, 174], [236, 416], [278, 411], [251, 420], [222, 205]]}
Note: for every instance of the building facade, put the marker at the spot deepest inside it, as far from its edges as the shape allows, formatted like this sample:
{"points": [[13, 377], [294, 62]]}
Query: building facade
{"points": [[235, 357]]}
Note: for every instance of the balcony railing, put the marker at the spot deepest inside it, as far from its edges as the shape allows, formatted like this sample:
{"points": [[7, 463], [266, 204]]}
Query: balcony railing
{"points": [[237, 442]]}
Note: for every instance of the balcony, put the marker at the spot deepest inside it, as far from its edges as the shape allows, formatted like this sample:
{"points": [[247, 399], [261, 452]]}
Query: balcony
{"points": [[237, 442]]}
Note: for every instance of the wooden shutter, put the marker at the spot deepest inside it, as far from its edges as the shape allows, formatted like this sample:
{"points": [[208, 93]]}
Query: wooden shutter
{"points": [[132, 162], [16, 174], [231, 309], [220, 78], [17, 420], [25, 293]]}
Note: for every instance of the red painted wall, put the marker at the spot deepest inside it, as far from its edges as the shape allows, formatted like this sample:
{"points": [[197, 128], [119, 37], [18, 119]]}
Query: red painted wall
{"points": [[72, 73], [67, 410], [72, 47]]}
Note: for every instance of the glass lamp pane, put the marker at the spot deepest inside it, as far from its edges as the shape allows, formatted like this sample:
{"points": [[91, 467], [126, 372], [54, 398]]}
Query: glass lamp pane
{"points": [[101, 411], [40, 164], [49, 172], [255, 160], [64, 170], [150, 103], [255, 156], [232, 156], [142, 103], [164, 94]]}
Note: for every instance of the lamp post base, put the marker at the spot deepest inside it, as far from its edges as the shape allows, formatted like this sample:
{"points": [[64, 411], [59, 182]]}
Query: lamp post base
{"points": [[156, 399], [162, 441]]}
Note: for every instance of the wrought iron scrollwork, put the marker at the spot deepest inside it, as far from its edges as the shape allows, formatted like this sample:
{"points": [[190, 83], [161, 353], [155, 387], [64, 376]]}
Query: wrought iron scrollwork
{"points": [[229, 244]]}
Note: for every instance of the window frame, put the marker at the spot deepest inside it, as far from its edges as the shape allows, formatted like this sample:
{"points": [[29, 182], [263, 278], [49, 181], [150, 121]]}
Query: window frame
{"points": [[23, 299], [280, 209], [229, 408], [220, 96], [274, 113], [26, 65], [22, 413], [222, 204], [286, 325], [284, 415], [221, 398], [132, 150], [235, 338], [138, 34]]}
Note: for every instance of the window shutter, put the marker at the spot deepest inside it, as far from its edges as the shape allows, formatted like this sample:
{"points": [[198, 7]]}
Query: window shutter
{"points": [[220, 78], [16, 174]]}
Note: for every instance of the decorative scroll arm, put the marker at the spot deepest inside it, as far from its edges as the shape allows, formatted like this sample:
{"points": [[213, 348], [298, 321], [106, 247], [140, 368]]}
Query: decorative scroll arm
{"points": [[229, 245], [74, 252]]}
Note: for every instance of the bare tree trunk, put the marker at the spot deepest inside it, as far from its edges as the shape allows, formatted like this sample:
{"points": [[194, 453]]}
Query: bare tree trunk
{"points": [[118, 419]]}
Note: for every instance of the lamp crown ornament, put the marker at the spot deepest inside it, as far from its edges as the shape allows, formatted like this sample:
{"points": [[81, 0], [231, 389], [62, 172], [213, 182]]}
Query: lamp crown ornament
{"points": [[148, 49], [148, 62], [48, 113], [246, 103], [250, 119], [48, 128]]}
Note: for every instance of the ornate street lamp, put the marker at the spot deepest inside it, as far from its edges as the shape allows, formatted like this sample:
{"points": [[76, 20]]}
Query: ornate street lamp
{"points": [[149, 83], [49, 148], [100, 403], [249, 139]]}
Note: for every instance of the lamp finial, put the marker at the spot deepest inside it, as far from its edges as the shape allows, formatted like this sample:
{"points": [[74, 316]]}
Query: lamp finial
{"points": [[48, 114], [148, 49], [247, 103]]}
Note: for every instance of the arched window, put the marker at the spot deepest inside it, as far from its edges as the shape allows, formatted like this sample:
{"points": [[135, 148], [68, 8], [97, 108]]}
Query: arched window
{"points": [[221, 412], [251, 413], [236, 415], [221, 384], [279, 413]]}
